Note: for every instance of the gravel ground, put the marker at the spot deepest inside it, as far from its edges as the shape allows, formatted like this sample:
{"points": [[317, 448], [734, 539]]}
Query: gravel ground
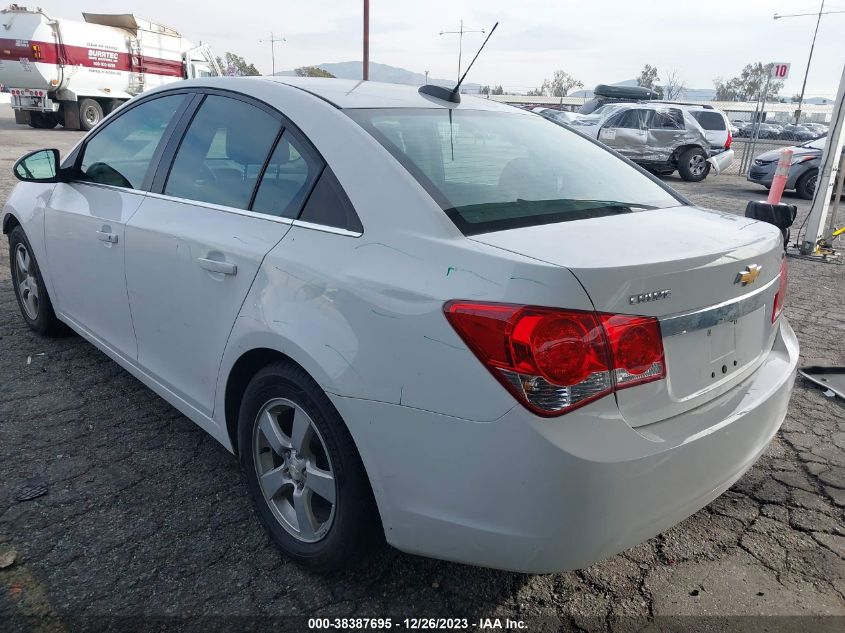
{"points": [[147, 517]]}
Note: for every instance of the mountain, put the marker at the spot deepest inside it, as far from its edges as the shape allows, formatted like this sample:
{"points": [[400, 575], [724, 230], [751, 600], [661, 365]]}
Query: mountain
{"points": [[385, 73]]}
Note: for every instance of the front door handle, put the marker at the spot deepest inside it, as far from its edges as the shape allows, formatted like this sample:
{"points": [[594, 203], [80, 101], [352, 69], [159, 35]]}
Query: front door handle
{"points": [[216, 266], [105, 236]]}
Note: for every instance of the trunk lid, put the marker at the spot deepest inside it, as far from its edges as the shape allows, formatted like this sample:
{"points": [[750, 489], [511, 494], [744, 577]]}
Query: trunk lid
{"points": [[716, 329]]}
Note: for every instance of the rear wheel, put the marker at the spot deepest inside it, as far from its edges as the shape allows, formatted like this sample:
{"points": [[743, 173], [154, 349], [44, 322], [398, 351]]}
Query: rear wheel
{"points": [[806, 185], [90, 114], [303, 470], [35, 305], [693, 165]]}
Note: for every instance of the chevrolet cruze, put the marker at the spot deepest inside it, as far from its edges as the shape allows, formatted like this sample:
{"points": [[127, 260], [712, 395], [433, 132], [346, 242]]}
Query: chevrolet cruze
{"points": [[479, 334]]}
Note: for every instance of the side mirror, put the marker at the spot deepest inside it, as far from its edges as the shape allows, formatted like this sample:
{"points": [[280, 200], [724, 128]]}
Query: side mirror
{"points": [[39, 166]]}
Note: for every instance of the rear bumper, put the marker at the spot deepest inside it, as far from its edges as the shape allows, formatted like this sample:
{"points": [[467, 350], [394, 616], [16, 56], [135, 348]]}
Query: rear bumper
{"points": [[539, 495]]}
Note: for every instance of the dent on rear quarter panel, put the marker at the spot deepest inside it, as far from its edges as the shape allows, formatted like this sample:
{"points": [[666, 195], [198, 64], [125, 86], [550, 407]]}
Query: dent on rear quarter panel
{"points": [[364, 316]]}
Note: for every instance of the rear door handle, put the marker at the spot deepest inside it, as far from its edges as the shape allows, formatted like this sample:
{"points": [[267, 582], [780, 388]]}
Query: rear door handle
{"points": [[105, 236], [217, 266]]}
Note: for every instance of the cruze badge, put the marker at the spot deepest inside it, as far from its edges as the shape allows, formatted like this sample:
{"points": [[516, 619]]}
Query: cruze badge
{"points": [[749, 275], [657, 295]]}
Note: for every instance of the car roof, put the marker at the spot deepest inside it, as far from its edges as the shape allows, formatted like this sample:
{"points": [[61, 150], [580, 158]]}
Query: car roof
{"points": [[356, 93]]}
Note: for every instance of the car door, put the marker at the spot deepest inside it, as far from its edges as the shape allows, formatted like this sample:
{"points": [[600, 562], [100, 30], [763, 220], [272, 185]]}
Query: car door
{"points": [[85, 219], [626, 132], [235, 180], [666, 131]]}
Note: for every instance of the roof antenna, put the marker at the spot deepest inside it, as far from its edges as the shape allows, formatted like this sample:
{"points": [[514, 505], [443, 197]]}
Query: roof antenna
{"points": [[454, 95]]}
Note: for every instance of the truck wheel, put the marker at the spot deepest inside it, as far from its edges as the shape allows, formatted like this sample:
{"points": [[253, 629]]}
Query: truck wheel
{"points": [[806, 185], [43, 120], [693, 165], [90, 114]]}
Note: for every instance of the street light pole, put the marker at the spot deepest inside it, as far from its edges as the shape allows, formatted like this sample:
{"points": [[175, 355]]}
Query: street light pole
{"points": [[460, 33], [812, 47], [273, 39]]}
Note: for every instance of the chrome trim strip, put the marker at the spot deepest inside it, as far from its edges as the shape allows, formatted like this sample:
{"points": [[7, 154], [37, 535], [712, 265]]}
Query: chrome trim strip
{"points": [[326, 229], [220, 207], [721, 313]]}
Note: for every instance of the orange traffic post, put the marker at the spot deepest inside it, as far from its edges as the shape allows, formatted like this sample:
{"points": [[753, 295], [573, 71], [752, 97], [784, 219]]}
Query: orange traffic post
{"points": [[781, 174]]}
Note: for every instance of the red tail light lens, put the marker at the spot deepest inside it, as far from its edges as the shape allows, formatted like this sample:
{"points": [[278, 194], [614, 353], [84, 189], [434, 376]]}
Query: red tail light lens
{"points": [[780, 296], [554, 361], [729, 141]]}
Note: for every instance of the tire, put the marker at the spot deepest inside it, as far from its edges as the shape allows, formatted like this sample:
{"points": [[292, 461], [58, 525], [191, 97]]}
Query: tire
{"points": [[31, 293], [90, 114], [280, 401], [806, 185], [693, 165], [43, 120]]}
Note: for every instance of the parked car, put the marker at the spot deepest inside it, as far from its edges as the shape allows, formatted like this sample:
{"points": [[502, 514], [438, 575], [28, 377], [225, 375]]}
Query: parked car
{"points": [[803, 171], [658, 137], [818, 129], [457, 325], [797, 133], [558, 116]]}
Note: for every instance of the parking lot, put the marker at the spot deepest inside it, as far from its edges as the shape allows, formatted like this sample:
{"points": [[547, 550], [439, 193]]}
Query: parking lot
{"points": [[146, 519]]}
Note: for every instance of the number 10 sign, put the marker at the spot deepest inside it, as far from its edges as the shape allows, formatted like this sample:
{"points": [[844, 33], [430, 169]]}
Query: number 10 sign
{"points": [[780, 71]]}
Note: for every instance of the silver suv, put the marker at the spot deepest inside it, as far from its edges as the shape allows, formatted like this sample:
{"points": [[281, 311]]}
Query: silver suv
{"points": [[662, 138]]}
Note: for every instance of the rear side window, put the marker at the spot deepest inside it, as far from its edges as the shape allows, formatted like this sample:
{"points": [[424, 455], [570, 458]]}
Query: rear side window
{"points": [[328, 205], [287, 179], [709, 120], [670, 119], [222, 153], [120, 153], [630, 119]]}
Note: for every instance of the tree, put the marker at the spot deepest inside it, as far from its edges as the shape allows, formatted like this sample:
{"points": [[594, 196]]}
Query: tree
{"points": [[648, 79], [312, 71], [498, 90], [560, 84], [674, 87], [748, 85], [484, 90], [535, 92], [236, 66]]}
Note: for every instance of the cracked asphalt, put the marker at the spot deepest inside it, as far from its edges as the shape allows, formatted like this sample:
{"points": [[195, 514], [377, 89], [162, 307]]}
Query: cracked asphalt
{"points": [[146, 523]]}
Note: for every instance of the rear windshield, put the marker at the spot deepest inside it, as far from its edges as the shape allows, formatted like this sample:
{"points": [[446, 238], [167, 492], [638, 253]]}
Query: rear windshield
{"points": [[491, 171], [709, 120]]}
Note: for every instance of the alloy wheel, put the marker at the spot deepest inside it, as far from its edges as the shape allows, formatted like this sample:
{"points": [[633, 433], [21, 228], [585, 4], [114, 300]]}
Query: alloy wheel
{"points": [[26, 281], [697, 164], [294, 470]]}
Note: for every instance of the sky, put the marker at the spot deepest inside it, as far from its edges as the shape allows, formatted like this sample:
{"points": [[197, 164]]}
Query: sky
{"points": [[597, 41]]}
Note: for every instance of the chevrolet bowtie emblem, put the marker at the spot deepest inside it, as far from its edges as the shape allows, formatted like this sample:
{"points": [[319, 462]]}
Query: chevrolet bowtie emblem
{"points": [[749, 275]]}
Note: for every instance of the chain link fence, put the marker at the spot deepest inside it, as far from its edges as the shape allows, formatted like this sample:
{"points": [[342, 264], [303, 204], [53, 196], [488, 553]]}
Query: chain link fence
{"points": [[744, 150]]}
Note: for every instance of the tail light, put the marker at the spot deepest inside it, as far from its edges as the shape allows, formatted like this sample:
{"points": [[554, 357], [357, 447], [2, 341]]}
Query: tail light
{"points": [[554, 361], [780, 296], [730, 140]]}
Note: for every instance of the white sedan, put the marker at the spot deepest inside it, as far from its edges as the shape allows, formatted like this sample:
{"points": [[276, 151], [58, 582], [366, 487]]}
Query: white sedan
{"points": [[459, 326]]}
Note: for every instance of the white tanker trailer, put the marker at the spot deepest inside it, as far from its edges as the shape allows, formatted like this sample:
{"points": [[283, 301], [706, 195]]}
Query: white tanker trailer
{"points": [[74, 73]]}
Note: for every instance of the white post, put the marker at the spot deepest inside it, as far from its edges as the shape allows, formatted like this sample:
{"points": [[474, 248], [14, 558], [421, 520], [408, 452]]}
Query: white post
{"points": [[827, 172]]}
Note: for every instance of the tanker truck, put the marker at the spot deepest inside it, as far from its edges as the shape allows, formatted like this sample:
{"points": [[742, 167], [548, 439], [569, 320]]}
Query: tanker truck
{"points": [[74, 73]]}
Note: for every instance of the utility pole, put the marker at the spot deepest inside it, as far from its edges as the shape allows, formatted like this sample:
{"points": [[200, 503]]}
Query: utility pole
{"points": [[273, 39], [366, 74], [460, 33], [812, 46]]}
